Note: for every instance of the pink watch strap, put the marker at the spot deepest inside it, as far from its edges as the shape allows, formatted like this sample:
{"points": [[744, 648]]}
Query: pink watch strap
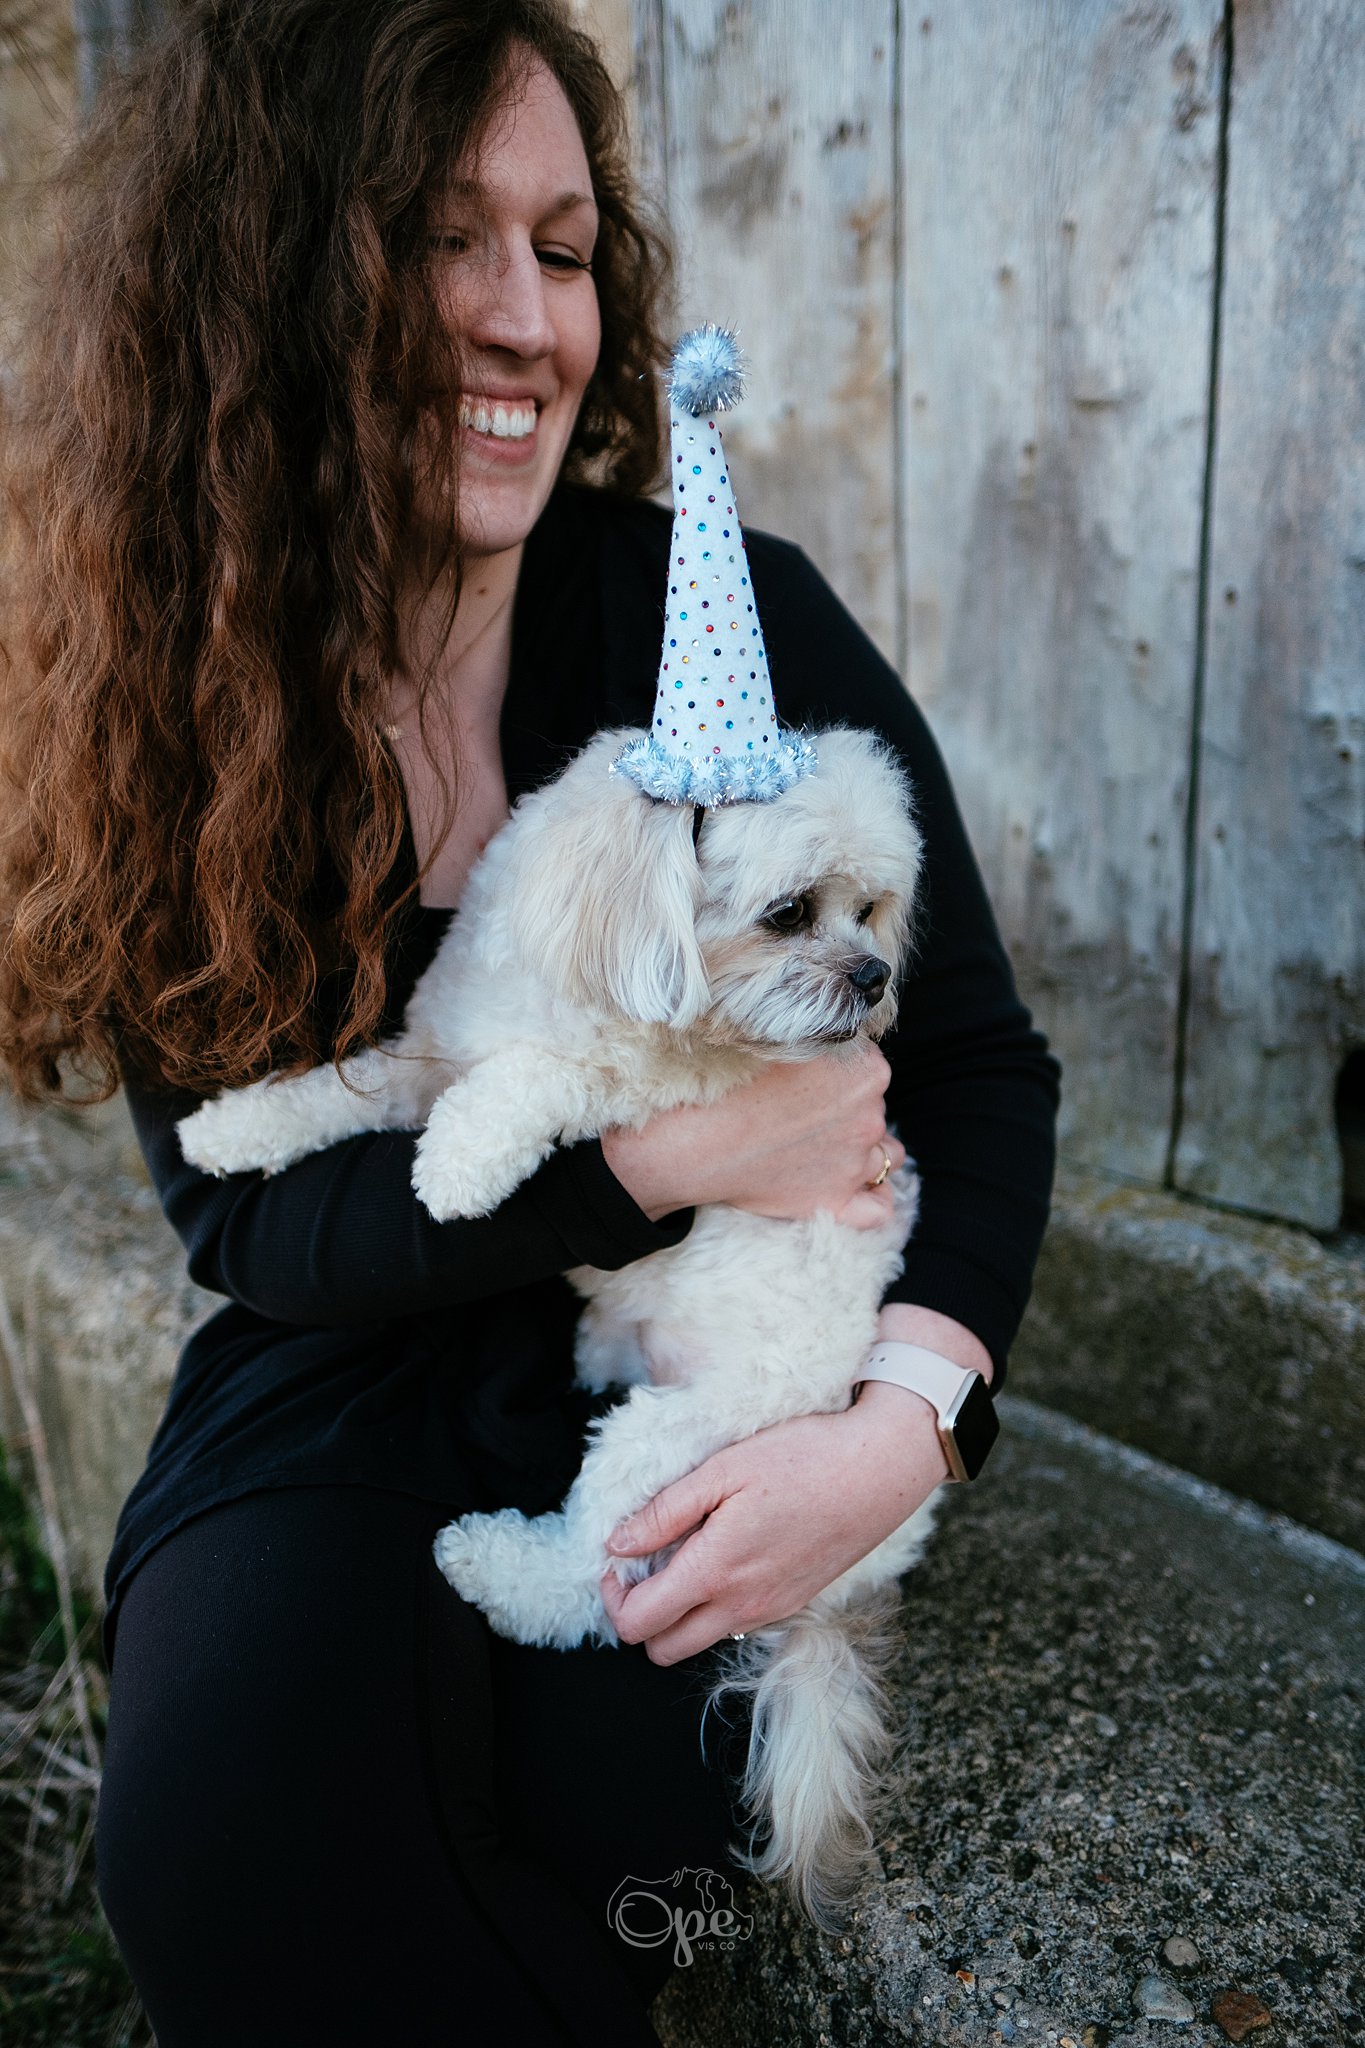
{"points": [[922, 1371]]}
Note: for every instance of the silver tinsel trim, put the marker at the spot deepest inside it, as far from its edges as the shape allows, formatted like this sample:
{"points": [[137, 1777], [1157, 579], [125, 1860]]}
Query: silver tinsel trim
{"points": [[708, 371], [714, 779]]}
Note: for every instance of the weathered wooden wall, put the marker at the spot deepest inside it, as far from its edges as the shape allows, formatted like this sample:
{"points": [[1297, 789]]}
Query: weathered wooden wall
{"points": [[1056, 310], [1278, 942], [975, 252], [1060, 176], [37, 96], [778, 165]]}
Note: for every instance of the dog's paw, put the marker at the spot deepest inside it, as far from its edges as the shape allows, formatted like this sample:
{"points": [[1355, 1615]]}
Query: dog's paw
{"points": [[446, 1186], [517, 1574], [234, 1134], [466, 1164], [456, 1556]]}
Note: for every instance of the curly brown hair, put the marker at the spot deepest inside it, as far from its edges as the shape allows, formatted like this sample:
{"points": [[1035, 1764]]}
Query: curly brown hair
{"points": [[213, 462]]}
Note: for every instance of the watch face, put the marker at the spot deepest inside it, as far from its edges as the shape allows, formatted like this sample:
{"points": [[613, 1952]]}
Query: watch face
{"points": [[975, 1426]]}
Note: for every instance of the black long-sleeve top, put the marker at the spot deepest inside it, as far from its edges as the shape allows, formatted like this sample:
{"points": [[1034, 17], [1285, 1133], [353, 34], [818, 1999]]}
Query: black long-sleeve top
{"points": [[366, 1344]]}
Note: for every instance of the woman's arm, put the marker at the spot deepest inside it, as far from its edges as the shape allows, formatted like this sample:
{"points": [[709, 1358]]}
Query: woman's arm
{"points": [[340, 1238]]}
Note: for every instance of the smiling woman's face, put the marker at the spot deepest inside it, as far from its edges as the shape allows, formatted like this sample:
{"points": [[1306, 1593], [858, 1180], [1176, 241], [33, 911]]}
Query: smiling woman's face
{"points": [[511, 249]]}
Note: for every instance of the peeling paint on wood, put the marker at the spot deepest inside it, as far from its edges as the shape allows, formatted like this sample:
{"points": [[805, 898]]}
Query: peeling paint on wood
{"points": [[37, 98], [1059, 192], [1278, 965], [780, 180]]}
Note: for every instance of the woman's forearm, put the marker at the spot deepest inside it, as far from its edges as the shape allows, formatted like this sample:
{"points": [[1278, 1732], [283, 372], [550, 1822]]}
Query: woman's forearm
{"points": [[900, 1322], [899, 1416]]}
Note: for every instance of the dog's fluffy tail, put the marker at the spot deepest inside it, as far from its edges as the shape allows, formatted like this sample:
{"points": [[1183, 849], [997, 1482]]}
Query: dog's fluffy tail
{"points": [[819, 1746]]}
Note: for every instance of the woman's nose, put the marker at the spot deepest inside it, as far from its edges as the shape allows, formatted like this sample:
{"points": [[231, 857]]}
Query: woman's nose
{"points": [[510, 309]]}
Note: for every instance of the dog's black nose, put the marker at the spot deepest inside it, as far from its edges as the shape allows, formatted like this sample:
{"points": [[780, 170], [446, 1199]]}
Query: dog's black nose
{"points": [[870, 977]]}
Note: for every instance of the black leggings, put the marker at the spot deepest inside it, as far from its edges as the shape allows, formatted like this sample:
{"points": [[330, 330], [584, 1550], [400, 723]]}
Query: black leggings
{"points": [[337, 1809]]}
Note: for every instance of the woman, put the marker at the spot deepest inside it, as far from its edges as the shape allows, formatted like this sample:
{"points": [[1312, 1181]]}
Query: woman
{"points": [[352, 291]]}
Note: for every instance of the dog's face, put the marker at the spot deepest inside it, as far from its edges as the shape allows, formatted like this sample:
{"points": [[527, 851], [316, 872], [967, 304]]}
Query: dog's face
{"points": [[805, 906], [787, 924]]}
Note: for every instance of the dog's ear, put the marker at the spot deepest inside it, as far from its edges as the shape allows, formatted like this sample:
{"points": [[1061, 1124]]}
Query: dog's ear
{"points": [[602, 894]]}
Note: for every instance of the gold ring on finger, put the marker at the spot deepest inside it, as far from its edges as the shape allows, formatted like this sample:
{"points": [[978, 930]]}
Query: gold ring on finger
{"points": [[886, 1168]]}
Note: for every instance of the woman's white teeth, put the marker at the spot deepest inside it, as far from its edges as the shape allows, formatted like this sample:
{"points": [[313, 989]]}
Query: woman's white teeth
{"points": [[492, 416]]}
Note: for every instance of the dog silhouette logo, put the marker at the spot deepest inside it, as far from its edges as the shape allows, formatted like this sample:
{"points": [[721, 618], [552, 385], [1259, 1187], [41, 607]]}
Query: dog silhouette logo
{"points": [[694, 1909]]}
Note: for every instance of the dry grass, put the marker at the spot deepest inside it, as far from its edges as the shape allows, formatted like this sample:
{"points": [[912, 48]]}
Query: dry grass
{"points": [[62, 1981]]}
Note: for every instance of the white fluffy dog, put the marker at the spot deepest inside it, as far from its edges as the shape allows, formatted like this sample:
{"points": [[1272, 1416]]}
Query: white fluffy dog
{"points": [[604, 967]]}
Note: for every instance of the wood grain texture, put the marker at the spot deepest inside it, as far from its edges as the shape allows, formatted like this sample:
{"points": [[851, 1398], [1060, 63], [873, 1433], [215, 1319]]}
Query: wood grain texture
{"points": [[37, 101], [1278, 960], [609, 23], [1059, 190], [780, 188]]}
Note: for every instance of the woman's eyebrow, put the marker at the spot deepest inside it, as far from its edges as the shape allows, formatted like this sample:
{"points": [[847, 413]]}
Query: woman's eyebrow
{"points": [[566, 202]]}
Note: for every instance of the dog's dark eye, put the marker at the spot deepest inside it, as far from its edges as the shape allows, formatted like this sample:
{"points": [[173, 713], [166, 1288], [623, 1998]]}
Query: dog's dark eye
{"points": [[865, 913], [788, 916]]}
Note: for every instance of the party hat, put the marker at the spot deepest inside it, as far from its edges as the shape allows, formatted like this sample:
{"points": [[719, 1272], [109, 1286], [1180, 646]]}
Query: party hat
{"points": [[714, 738]]}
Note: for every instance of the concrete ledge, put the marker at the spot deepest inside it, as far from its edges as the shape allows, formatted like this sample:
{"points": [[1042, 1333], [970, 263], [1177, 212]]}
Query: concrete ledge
{"points": [[1130, 1705], [1231, 1347], [94, 1282], [1131, 1711]]}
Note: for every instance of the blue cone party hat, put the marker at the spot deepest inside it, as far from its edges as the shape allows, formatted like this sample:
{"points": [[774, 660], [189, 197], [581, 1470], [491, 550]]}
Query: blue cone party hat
{"points": [[715, 737]]}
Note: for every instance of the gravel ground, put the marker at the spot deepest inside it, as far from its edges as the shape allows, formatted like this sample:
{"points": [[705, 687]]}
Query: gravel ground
{"points": [[1132, 1805], [1132, 1809]]}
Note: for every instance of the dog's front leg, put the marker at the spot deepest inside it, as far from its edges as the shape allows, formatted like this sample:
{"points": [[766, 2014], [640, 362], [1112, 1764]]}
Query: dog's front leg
{"points": [[267, 1125], [490, 1132]]}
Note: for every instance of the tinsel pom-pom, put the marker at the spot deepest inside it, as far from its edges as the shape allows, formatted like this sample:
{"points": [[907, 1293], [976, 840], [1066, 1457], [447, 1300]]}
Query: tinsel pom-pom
{"points": [[715, 779], [708, 371]]}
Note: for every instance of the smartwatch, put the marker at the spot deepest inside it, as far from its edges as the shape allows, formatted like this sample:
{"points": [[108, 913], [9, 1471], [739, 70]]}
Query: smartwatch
{"points": [[967, 1421]]}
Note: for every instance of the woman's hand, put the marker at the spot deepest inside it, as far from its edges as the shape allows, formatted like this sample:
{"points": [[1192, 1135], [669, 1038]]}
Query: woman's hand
{"points": [[803, 1135], [773, 1520]]}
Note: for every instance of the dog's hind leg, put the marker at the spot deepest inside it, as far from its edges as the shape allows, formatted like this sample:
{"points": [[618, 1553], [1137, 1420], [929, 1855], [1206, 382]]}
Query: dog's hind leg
{"points": [[528, 1577], [607, 1351], [539, 1582]]}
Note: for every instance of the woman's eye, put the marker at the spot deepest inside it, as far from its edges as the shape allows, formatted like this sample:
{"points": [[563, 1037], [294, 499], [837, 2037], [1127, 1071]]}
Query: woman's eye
{"points": [[562, 259], [448, 243], [789, 915]]}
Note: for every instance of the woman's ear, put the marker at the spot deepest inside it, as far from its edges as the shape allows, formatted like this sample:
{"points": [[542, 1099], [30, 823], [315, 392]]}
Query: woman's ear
{"points": [[603, 887]]}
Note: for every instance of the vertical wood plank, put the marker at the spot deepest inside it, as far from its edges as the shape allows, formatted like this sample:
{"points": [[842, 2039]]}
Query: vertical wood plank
{"points": [[37, 106], [781, 193], [609, 23], [649, 107], [1060, 184], [108, 32], [1278, 960]]}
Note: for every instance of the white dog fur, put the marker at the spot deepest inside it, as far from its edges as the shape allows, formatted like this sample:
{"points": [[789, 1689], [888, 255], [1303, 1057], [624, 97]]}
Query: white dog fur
{"points": [[603, 968]]}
